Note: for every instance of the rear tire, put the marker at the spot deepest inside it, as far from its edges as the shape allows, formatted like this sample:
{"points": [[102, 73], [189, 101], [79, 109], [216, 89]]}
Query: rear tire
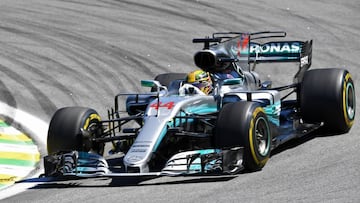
{"points": [[65, 130], [328, 95], [245, 124]]}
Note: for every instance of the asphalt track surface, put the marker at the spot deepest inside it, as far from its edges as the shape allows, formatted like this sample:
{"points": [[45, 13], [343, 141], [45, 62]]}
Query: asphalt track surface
{"points": [[56, 53]]}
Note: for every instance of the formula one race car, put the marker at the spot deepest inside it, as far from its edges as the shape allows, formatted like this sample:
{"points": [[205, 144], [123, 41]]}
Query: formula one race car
{"points": [[172, 131]]}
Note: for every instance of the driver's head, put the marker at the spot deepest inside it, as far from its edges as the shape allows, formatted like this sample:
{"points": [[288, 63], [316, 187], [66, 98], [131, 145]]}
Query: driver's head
{"points": [[201, 80]]}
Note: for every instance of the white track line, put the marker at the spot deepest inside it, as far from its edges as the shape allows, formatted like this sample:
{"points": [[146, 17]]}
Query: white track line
{"points": [[37, 130], [18, 148]]}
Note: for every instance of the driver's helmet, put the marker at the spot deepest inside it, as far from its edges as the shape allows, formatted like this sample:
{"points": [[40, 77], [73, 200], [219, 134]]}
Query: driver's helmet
{"points": [[201, 80]]}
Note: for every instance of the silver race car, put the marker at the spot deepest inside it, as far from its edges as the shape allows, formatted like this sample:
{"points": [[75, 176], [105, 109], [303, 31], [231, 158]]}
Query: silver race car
{"points": [[174, 129]]}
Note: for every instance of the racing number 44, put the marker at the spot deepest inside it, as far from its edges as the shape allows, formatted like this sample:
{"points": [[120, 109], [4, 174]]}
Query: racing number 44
{"points": [[168, 105]]}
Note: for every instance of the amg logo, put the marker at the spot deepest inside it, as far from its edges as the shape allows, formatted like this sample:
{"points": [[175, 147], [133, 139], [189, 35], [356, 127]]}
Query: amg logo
{"points": [[276, 47]]}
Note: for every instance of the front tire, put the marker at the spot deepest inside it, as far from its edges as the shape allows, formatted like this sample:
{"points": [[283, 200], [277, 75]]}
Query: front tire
{"points": [[245, 124], [328, 95], [65, 130]]}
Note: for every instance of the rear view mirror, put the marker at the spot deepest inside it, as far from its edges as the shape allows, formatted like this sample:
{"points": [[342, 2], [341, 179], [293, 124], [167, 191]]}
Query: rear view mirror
{"points": [[150, 83], [153, 84]]}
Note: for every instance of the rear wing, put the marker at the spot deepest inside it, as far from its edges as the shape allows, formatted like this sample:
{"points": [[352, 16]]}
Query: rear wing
{"points": [[281, 51], [247, 48]]}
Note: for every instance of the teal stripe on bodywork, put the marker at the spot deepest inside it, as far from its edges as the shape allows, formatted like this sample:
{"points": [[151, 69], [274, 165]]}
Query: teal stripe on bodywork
{"points": [[273, 113], [161, 137], [196, 164], [179, 121], [201, 109]]}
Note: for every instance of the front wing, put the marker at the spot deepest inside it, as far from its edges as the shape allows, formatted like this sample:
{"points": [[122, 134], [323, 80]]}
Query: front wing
{"points": [[198, 162]]}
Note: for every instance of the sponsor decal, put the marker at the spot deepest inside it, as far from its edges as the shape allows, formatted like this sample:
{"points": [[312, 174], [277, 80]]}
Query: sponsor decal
{"points": [[304, 61], [168, 105], [133, 158], [138, 150], [275, 47], [142, 142], [242, 45], [141, 146]]}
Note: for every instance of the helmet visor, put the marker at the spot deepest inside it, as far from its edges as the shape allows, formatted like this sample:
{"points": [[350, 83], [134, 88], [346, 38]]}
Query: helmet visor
{"points": [[201, 84]]}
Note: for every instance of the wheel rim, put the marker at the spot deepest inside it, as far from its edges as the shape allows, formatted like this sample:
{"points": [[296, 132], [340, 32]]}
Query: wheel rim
{"points": [[262, 136], [350, 101], [92, 127]]}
